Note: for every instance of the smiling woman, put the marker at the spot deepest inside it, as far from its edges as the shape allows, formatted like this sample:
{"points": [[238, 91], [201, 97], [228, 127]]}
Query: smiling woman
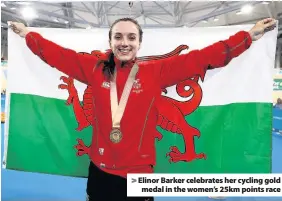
{"points": [[125, 39], [122, 141]]}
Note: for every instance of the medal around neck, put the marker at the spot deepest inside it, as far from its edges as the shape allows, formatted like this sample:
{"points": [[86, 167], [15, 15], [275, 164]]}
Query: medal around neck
{"points": [[118, 109]]}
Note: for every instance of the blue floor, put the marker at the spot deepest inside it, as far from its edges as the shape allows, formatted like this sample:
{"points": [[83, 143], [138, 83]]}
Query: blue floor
{"points": [[31, 186]]}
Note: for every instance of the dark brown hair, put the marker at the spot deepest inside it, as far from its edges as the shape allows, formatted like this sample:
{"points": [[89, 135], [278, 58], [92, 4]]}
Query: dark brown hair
{"points": [[109, 66]]}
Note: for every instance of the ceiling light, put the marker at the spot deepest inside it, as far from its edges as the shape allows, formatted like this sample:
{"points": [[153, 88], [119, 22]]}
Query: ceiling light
{"points": [[3, 5], [215, 19], [247, 9], [29, 13], [238, 13], [23, 3], [265, 2], [205, 21]]}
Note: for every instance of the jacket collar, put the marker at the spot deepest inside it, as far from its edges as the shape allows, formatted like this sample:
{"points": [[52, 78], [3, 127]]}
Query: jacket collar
{"points": [[128, 64]]}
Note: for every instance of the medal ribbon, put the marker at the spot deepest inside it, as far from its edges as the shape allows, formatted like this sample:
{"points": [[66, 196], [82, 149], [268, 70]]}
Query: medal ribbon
{"points": [[118, 109]]}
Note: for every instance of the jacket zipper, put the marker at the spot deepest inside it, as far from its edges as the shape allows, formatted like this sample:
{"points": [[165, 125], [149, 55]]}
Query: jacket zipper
{"points": [[96, 121], [145, 123]]}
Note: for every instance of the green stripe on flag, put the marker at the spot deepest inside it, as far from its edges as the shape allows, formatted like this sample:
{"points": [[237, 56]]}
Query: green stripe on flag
{"points": [[42, 136], [235, 139]]}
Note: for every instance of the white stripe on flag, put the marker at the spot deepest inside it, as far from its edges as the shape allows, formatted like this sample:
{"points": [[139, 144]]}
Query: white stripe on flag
{"points": [[247, 78]]}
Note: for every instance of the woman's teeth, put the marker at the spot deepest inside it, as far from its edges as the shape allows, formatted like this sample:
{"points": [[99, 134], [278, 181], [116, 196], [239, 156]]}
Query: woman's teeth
{"points": [[124, 51]]}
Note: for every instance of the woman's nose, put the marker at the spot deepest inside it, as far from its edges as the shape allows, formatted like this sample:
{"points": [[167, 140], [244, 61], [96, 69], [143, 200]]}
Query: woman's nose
{"points": [[124, 43]]}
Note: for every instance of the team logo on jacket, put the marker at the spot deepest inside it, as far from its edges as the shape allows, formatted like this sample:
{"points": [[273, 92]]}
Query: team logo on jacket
{"points": [[171, 113], [137, 87], [106, 85], [101, 151]]}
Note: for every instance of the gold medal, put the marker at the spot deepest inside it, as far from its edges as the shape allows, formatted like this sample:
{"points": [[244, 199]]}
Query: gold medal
{"points": [[115, 135]]}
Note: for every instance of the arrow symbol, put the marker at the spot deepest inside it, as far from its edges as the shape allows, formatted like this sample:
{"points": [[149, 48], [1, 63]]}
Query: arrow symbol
{"points": [[133, 180]]}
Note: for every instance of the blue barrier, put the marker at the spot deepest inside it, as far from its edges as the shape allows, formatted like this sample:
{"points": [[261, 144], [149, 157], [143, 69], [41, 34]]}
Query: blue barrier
{"points": [[277, 121], [3, 98]]}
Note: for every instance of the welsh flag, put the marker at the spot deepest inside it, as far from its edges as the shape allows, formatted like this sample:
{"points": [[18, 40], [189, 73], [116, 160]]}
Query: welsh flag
{"points": [[230, 110]]}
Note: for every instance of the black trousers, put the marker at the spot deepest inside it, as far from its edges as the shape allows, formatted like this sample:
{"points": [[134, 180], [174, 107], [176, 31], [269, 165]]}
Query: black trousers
{"points": [[102, 186]]}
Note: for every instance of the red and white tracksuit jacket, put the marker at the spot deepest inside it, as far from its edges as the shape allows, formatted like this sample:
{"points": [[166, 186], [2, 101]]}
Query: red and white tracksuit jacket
{"points": [[136, 152]]}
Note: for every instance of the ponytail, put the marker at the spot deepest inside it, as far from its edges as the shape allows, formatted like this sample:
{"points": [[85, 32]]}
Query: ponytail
{"points": [[109, 66], [107, 61]]}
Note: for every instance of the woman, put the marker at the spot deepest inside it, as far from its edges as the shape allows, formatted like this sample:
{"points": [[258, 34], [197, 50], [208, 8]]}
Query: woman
{"points": [[122, 141]]}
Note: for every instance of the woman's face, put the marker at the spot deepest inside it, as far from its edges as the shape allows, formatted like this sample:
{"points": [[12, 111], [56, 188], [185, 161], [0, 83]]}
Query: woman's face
{"points": [[125, 40]]}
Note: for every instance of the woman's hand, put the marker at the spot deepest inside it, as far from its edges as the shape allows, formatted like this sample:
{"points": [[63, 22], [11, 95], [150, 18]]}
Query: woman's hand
{"points": [[19, 28], [262, 27]]}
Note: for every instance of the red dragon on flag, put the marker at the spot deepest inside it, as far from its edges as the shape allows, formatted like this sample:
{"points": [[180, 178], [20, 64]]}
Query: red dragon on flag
{"points": [[171, 112]]}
